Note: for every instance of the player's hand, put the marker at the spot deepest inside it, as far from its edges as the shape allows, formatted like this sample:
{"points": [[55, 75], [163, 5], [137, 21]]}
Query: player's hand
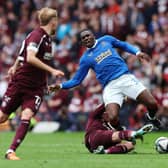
{"points": [[11, 72], [143, 57], [54, 88], [57, 73]]}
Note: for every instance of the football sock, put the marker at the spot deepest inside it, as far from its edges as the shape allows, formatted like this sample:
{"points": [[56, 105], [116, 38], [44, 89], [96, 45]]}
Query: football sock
{"points": [[124, 135], [150, 115], [116, 149], [152, 111], [20, 134], [9, 151]]}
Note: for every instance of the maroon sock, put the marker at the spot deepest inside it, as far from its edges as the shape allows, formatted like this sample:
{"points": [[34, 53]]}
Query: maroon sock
{"points": [[117, 149], [20, 134], [124, 135]]}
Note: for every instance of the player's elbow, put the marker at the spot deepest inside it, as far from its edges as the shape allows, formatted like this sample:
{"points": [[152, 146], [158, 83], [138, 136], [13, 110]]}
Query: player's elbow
{"points": [[77, 82], [29, 59]]}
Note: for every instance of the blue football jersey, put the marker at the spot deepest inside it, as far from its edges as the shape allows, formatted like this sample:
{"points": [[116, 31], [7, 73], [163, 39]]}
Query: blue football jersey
{"points": [[105, 61]]}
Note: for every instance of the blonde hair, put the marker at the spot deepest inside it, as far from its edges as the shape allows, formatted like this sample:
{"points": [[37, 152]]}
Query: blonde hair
{"points": [[45, 15]]}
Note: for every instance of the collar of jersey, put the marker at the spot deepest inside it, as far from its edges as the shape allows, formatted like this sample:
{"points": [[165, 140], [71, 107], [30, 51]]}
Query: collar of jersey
{"points": [[94, 45]]}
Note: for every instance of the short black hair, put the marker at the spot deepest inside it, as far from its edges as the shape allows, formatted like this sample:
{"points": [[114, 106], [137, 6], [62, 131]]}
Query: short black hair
{"points": [[87, 29]]}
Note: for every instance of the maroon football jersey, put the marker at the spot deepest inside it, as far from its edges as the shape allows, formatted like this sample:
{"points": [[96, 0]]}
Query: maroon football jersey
{"points": [[95, 120], [28, 75], [98, 131]]}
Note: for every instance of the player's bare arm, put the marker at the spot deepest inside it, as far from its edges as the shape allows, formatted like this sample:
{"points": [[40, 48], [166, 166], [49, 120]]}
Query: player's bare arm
{"points": [[32, 59]]}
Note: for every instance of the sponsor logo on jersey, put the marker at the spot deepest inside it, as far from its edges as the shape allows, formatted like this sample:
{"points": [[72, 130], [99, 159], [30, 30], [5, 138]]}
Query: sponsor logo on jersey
{"points": [[103, 55], [90, 54], [48, 56]]}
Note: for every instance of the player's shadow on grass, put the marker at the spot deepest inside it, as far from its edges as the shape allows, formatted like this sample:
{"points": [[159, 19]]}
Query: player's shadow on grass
{"points": [[142, 153]]}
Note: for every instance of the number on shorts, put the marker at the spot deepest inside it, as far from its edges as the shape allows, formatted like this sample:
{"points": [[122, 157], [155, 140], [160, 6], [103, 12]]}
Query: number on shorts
{"points": [[37, 101]]}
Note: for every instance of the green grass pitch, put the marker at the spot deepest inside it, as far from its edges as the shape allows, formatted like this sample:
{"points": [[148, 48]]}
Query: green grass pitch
{"points": [[66, 150]]}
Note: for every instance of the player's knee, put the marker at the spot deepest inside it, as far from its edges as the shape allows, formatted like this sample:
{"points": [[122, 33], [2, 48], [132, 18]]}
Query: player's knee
{"points": [[3, 117], [112, 110], [27, 114], [113, 115], [115, 137]]}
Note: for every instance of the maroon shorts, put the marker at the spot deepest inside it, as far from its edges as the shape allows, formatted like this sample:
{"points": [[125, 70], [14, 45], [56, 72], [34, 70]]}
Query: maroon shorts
{"points": [[16, 96], [99, 137]]}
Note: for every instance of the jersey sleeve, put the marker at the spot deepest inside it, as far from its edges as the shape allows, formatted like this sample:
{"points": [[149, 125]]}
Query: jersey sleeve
{"points": [[78, 77], [122, 45]]}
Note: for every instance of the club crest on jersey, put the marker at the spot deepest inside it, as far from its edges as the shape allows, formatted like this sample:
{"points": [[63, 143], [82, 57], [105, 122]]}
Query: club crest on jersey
{"points": [[90, 54], [47, 44], [103, 55], [103, 43]]}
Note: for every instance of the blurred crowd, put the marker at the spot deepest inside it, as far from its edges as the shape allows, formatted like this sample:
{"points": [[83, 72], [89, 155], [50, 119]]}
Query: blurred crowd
{"points": [[142, 23]]}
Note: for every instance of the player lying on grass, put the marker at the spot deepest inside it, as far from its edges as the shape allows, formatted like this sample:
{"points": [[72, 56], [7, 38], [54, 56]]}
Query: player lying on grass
{"points": [[102, 138]]}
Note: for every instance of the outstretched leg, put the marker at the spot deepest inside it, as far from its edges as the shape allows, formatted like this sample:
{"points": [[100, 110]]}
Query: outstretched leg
{"points": [[116, 149], [117, 137], [120, 148]]}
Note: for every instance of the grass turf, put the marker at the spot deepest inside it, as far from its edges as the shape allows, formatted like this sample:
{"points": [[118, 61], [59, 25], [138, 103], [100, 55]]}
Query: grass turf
{"points": [[66, 150]]}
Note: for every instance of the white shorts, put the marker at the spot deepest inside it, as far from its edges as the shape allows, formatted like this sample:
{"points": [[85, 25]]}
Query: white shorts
{"points": [[125, 85]]}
